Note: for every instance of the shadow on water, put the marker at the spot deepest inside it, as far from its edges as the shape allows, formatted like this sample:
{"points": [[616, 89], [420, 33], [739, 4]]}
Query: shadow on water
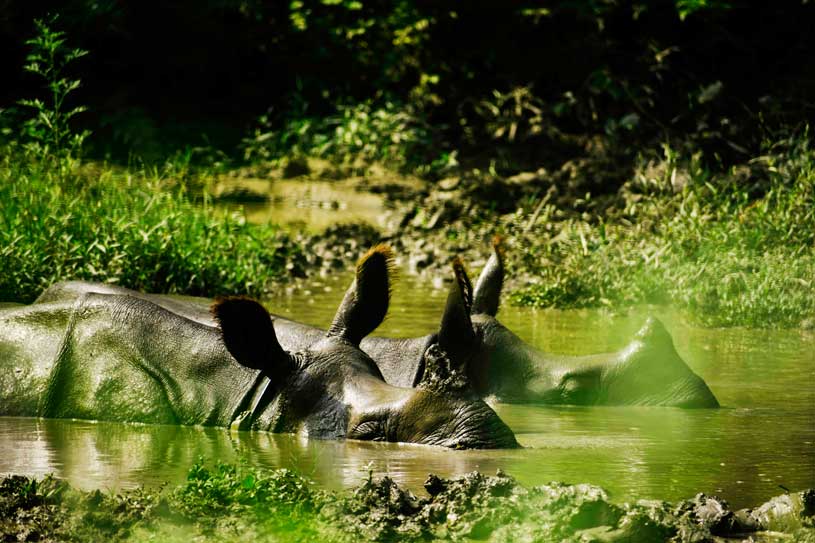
{"points": [[762, 438]]}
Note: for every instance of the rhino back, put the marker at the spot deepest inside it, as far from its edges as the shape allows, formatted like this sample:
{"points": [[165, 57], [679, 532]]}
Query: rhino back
{"points": [[30, 337], [127, 359], [190, 307]]}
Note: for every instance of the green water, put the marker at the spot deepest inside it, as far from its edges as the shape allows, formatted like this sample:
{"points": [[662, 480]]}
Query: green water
{"points": [[309, 205], [763, 437]]}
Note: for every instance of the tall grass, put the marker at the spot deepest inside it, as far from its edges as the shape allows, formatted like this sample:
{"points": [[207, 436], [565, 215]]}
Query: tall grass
{"points": [[62, 219], [733, 249], [132, 228]]}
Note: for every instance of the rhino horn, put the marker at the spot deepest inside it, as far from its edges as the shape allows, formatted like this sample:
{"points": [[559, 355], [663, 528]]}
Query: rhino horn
{"points": [[366, 301], [248, 334], [487, 297]]}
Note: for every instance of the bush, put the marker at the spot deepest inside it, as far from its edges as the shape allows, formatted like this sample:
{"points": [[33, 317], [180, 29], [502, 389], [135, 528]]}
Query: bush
{"points": [[356, 135], [127, 228]]}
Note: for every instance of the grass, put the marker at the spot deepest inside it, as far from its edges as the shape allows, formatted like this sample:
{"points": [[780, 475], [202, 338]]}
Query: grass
{"points": [[734, 249], [135, 228], [62, 218]]}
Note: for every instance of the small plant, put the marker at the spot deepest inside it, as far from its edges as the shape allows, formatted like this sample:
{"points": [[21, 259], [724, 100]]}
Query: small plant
{"points": [[49, 129]]}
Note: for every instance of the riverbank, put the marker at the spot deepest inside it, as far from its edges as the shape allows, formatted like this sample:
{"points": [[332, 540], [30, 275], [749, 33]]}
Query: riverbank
{"points": [[233, 503], [734, 248], [657, 183], [731, 249]]}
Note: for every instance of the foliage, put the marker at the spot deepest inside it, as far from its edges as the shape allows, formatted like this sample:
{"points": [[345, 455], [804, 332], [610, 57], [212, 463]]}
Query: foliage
{"points": [[61, 219], [688, 7], [513, 115], [225, 503], [732, 249], [640, 71], [48, 129], [212, 492], [355, 135], [717, 225], [131, 228]]}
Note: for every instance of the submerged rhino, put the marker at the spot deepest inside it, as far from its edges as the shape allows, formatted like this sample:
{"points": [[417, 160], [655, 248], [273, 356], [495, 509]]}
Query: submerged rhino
{"points": [[648, 371], [98, 352]]}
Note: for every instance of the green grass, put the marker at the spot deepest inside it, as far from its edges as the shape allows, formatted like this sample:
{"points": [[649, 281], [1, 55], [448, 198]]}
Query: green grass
{"points": [[732, 250], [136, 228], [62, 218]]}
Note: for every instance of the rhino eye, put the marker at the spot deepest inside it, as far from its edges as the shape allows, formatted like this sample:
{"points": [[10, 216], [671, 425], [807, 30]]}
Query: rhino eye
{"points": [[371, 430]]}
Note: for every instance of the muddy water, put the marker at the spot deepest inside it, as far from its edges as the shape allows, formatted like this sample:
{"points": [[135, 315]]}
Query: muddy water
{"points": [[307, 205], [761, 440]]}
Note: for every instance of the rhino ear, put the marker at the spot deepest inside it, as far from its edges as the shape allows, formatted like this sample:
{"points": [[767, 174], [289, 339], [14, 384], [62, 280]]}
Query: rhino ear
{"points": [[249, 336], [487, 296], [366, 301], [456, 335]]}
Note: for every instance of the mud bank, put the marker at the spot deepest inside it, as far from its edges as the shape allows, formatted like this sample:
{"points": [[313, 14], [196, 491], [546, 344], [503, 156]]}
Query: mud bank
{"points": [[228, 503], [667, 234]]}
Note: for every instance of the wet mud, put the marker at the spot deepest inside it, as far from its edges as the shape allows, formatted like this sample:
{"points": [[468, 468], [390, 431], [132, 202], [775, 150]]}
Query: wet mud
{"points": [[229, 503]]}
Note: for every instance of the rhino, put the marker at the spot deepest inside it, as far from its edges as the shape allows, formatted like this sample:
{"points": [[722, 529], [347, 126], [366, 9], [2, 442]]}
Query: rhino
{"points": [[107, 353], [500, 365]]}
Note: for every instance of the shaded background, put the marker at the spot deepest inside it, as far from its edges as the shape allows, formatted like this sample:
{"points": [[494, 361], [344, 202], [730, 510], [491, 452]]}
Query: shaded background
{"points": [[162, 75]]}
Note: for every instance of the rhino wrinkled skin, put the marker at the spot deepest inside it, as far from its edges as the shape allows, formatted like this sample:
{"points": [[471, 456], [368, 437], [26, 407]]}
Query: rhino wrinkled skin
{"points": [[102, 352]]}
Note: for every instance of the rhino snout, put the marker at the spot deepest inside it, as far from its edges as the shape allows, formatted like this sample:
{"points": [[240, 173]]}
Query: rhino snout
{"points": [[480, 428], [471, 424]]}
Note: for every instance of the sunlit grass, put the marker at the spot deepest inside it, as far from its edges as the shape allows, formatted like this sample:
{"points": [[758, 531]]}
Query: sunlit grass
{"points": [[134, 227], [728, 250]]}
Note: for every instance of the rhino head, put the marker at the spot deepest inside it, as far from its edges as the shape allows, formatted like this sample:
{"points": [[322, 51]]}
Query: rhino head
{"points": [[648, 371], [332, 389]]}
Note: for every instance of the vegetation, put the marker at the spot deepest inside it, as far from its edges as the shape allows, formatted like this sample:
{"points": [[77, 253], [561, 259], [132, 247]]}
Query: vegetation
{"points": [[658, 168], [127, 228], [229, 503], [354, 136], [733, 249], [62, 219]]}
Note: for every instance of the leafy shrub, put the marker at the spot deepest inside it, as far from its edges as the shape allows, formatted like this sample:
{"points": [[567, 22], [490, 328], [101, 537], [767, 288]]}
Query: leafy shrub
{"points": [[358, 134]]}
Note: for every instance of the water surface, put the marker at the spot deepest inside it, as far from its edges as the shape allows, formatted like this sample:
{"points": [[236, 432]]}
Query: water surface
{"points": [[763, 437], [310, 205]]}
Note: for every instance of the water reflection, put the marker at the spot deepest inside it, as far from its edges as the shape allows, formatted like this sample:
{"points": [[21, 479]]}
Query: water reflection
{"points": [[114, 455]]}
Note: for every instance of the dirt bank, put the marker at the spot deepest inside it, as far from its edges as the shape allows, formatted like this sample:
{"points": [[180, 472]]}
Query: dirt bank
{"points": [[226, 503]]}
